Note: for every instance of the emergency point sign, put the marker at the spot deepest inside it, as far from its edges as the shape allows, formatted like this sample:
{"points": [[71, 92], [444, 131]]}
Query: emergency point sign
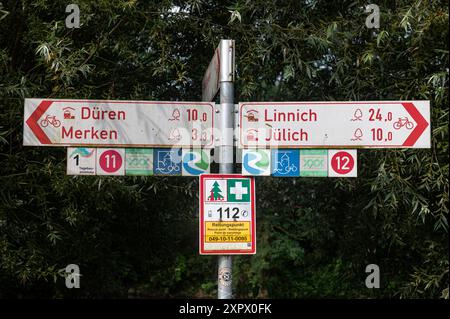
{"points": [[227, 214]]}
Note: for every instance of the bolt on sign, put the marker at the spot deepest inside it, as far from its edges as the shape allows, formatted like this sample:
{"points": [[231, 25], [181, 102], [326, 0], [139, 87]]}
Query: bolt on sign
{"points": [[372, 124], [227, 214], [51, 122]]}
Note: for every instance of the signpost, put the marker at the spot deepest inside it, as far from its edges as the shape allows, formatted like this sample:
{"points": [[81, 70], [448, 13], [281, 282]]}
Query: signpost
{"points": [[220, 75], [227, 214], [176, 138], [118, 123], [377, 124]]}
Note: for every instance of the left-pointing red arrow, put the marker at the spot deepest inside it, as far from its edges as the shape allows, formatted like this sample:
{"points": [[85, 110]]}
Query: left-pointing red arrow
{"points": [[33, 123]]}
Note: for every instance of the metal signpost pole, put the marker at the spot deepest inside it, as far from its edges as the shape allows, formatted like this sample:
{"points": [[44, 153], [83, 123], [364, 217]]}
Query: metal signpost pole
{"points": [[225, 266]]}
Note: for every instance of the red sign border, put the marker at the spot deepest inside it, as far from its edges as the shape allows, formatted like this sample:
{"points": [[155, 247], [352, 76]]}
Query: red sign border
{"points": [[201, 217], [409, 106]]}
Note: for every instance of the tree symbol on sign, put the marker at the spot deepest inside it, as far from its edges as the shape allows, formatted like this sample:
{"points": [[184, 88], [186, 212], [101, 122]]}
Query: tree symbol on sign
{"points": [[357, 135], [175, 115], [357, 116], [215, 193]]}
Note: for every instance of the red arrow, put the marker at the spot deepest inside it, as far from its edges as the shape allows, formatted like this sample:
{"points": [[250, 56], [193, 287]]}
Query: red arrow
{"points": [[422, 124], [32, 122]]}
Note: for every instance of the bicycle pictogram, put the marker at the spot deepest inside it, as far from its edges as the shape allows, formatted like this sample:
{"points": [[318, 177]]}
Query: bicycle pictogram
{"points": [[50, 120], [286, 169], [403, 121], [165, 163], [284, 165]]}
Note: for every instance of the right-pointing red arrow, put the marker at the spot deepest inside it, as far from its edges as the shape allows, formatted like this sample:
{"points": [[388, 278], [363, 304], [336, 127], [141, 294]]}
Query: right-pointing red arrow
{"points": [[422, 124]]}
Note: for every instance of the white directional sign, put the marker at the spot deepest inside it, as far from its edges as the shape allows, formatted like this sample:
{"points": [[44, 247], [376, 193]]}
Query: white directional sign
{"points": [[210, 83], [221, 68], [118, 123], [227, 214], [375, 124]]}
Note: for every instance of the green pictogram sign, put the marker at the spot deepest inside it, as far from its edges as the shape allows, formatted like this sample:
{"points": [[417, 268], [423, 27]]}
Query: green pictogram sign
{"points": [[238, 190]]}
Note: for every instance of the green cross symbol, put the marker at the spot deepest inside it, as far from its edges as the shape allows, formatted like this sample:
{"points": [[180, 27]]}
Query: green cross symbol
{"points": [[238, 190]]}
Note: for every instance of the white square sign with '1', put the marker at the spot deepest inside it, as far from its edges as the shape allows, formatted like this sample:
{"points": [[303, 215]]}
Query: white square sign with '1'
{"points": [[81, 161]]}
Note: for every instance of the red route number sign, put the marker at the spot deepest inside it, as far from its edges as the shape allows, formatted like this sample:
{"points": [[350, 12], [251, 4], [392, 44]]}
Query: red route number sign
{"points": [[342, 163], [110, 161]]}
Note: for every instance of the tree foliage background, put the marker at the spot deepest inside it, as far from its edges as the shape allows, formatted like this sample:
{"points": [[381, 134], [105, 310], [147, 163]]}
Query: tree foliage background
{"points": [[138, 236]]}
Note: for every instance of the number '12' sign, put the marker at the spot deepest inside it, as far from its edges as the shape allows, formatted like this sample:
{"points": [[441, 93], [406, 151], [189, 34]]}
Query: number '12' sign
{"points": [[342, 163]]}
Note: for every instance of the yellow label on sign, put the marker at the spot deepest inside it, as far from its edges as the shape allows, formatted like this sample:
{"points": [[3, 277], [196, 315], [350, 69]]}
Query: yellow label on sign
{"points": [[227, 232]]}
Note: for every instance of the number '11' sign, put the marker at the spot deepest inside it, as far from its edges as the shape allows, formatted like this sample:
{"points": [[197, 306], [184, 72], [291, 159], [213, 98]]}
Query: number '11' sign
{"points": [[91, 161]]}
